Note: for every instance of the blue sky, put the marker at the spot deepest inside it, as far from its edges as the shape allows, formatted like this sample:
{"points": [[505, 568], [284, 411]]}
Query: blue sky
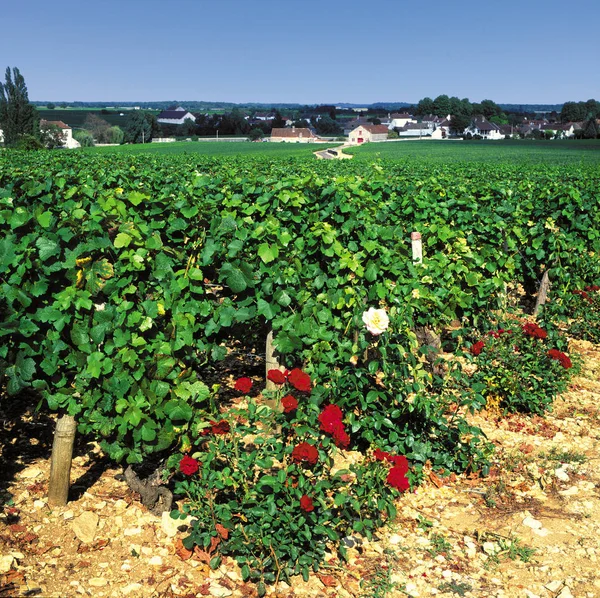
{"points": [[303, 51]]}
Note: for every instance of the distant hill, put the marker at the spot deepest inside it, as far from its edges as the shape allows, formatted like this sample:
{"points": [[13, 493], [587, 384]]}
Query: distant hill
{"points": [[201, 106]]}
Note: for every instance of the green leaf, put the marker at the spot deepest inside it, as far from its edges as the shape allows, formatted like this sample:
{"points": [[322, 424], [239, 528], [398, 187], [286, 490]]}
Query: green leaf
{"points": [[178, 411], [268, 253], [94, 364], [47, 248], [44, 219], [136, 198], [122, 240]]}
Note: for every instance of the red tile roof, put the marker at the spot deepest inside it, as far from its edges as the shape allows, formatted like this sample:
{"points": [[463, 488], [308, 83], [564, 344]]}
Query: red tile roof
{"points": [[292, 132]]}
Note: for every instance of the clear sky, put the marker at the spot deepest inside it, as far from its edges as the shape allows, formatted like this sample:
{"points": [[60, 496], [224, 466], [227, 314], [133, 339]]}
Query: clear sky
{"points": [[303, 51]]}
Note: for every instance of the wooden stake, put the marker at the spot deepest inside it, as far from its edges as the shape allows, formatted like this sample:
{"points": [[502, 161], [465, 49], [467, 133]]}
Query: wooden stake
{"points": [[417, 247], [60, 464], [542, 293]]}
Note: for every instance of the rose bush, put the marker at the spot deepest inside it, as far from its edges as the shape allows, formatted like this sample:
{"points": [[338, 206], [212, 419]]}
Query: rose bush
{"points": [[519, 367]]}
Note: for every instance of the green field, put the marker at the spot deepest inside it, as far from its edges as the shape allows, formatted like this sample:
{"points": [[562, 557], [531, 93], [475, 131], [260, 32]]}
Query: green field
{"points": [[522, 151], [216, 148], [518, 151]]}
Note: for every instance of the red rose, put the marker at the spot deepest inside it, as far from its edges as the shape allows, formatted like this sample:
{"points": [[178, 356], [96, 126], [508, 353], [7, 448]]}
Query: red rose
{"points": [[477, 348], [289, 404], [306, 504], [188, 466], [276, 376], [222, 427], [330, 416], [400, 462], [243, 385], [396, 478], [340, 438], [534, 331], [560, 357], [381, 455], [305, 453], [299, 380]]}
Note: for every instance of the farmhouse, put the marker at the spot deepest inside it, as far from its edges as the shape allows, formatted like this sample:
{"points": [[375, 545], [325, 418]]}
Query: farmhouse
{"points": [[67, 132], [293, 135], [366, 133], [482, 127], [175, 117], [397, 121]]}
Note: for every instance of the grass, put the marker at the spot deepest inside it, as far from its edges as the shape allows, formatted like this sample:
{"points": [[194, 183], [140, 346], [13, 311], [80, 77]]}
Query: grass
{"points": [[564, 456], [216, 148], [520, 151]]}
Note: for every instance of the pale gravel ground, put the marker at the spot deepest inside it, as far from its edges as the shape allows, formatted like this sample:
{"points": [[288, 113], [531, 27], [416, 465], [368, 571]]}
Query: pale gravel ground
{"points": [[551, 507]]}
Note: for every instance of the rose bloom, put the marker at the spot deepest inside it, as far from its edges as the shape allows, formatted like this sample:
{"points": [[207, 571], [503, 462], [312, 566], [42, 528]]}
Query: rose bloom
{"points": [[376, 320], [381, 455], [560, 357], [330, 416], [221, 427], [299, 380], [477, 348], [534, 331], [243, 385], [400, 462], [396, 478], [188, 465], [276, 376], [306, 504], [340, 437], [305, 453], [289, 404]]}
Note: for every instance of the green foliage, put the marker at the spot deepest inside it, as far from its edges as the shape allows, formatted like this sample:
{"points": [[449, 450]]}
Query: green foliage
{"points": [[520, 367], [578, 310], [85, 138]]}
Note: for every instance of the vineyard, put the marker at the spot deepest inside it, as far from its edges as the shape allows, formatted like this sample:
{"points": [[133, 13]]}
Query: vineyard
{"points": [[140, 294]]}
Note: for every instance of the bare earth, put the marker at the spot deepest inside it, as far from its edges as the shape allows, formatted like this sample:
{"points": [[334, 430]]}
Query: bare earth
{"points": [[531, 528]]}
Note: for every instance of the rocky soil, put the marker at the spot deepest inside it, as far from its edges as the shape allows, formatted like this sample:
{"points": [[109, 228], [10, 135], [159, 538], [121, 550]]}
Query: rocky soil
{"points": [[530, 529]]}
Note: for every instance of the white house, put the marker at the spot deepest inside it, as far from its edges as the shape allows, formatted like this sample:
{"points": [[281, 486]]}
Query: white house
{"points": [[67, 132], [175, 117], [366, 133], [484, 128], [397, 121]]}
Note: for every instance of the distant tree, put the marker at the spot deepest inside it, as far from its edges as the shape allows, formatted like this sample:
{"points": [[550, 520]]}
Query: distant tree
{"points": [[255, 134], [425, 106], [490, 108], [441, 105], [85, 138], [458, 123], [590, 130], [302, 123], [98, 127], [51, 106], [115, 135], [140, 127], [573, 112], [327, 126], [64, 105], [51, 136], [17, 116], [375, 120], [278, 121]]}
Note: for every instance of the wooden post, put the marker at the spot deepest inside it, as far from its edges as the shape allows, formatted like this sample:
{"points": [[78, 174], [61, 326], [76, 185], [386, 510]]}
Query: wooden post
{"points": [[417, 247], [60, 463], [542, 293], [271, 362]]}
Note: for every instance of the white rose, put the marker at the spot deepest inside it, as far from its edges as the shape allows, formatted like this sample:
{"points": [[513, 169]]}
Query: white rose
{"points": [[376, 320]]}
